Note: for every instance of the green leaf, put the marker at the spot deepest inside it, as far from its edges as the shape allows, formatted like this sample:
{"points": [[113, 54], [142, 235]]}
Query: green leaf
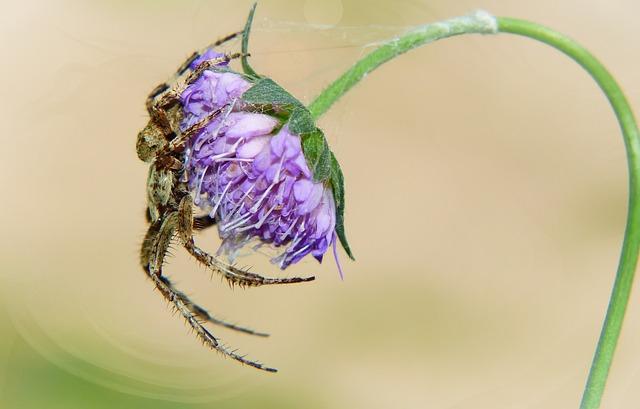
{"points": [[337, 184], [245, 44], [267, 92], [316, 152], [301, 122], [337, 181]]}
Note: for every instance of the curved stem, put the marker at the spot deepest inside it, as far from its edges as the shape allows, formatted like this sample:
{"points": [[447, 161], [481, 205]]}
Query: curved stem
{"points": [[629, 257], [481, 22]]}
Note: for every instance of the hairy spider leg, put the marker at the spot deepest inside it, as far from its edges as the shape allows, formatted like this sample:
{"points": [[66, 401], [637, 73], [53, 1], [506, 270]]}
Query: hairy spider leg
{"points": [[164, 96], [185, 66], [148, 246], [173, 94], [203, 222], [204, 315], [156, 110], [232, 274], [178, 142], [196, 54], [154, 249]]}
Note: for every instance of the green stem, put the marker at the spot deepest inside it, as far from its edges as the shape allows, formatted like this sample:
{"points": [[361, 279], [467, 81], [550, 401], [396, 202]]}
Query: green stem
{"points": [[629, 257], [481, 22]]}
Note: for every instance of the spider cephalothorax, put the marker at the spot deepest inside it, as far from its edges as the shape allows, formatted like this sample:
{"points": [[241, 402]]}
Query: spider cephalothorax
{"points": [[232, 143]]}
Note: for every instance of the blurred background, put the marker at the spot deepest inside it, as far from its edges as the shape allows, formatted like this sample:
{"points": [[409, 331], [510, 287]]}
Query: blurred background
{"points": [[486, 198]]}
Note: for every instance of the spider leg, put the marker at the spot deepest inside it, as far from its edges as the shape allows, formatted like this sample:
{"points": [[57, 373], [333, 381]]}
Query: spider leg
{"points": [[165, 97], [148, 247], [154, 249], [173, 95], [157, 112], [204, 315], [208, 64], [232, 274], [178, 141], [148, 243], [202, 222], [224, 39], [185, 65], [160, 88], [164, 158]]}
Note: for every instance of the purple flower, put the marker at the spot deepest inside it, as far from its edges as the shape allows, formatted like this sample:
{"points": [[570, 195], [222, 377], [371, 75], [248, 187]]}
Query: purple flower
{"points": [[212, 91], [249, 172]]}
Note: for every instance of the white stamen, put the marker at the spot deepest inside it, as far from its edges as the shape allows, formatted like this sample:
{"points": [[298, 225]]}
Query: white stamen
{"points": [[215, 208], [286, 233], [300, 251], [259, 223], [187, 159], [216, 158], [240, 203], [196, 198], [276, 180], [234, 160], [256, 206], [296, 240], [217, 180], [237, 222]]}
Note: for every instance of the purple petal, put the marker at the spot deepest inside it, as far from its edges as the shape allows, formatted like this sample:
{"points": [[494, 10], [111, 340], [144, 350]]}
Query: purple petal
{"points": [[312, 200], [250, 125], [302, 189], [252, 148]]}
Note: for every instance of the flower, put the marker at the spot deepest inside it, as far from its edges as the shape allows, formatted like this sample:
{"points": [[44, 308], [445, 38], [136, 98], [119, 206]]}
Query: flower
{"points": [[248, 170], [211, 91]]}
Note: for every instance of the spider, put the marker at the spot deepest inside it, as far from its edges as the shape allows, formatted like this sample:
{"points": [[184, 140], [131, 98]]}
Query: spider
{"points": [[170, 205]]}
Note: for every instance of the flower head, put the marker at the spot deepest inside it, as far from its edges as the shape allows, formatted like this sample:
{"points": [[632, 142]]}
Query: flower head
{"points": [[248, 170], [210, 92]]}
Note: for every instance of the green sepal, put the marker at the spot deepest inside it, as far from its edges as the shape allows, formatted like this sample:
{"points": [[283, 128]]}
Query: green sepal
{"points": [[301, 122], [267, 92], [337, 185], [246, 67], [316, 152]]}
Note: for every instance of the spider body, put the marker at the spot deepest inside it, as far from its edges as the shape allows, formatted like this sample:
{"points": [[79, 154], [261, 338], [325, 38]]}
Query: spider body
{"points": [[162, 144]]}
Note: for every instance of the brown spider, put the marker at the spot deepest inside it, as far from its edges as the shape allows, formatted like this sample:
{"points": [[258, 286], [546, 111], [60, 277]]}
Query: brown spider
{"points": [[161, 144]]}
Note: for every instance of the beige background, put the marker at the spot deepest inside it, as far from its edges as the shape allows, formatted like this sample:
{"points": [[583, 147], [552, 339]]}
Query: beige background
{"points": [[486, 185]]}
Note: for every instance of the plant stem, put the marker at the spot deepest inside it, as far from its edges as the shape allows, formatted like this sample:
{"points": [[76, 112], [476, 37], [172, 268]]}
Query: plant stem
{"points": [[481, 22], [629, 257]]}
